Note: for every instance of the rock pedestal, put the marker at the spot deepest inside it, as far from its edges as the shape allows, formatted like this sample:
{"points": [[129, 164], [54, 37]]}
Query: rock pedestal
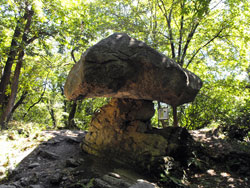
{"points": [[122, 131], [133, 74]]}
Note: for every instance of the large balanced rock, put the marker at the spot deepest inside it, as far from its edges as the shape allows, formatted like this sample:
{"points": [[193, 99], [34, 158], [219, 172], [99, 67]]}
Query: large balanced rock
{"points": [[122, 67], [134, 75]]}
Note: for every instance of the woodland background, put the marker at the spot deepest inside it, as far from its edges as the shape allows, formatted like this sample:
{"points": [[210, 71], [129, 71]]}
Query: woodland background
{"points": [[40, 41]]}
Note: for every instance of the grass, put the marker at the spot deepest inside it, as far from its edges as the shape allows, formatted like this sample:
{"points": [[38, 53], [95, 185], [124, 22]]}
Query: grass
{"points": [[16, 142]]}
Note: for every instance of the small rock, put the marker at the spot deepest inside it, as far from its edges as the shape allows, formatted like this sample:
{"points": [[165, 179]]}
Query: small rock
{"points": [[56, 178], [33, 165], [64, 178], [101, 183], [24, 181], [75, 185], [33, 179], [143, 184], [16, 184], [78, 172], [72, 162], [117, 182], [7, 186], [54, 141], [36, 186], [115, 175], [48, 155], [81, 160], [73, 140], [61, 139]]}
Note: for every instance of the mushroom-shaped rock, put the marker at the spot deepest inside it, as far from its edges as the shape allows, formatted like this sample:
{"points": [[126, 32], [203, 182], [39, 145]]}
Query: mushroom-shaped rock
{"points": [[123, 67], [134, 75]]}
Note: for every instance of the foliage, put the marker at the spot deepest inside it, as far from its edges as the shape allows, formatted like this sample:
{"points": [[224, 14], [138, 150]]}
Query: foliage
{"points": [[86, 109], [225, 101], [209, 37]]}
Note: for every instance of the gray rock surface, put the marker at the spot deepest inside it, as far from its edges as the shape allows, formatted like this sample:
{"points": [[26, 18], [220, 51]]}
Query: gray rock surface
{"points": [[122, 67], [36, 186], [7, 186], [143, 184]]}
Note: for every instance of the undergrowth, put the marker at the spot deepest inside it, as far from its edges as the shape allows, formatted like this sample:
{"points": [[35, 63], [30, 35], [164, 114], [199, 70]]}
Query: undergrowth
{"points": [[16, 142]]}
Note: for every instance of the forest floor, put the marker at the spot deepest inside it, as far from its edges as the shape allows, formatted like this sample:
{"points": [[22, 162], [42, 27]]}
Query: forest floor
{"points": [[54, 159], [229, 161]]}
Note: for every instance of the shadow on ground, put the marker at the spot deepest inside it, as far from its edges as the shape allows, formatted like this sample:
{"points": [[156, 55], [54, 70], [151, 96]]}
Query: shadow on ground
{"points": [[61, 163]]}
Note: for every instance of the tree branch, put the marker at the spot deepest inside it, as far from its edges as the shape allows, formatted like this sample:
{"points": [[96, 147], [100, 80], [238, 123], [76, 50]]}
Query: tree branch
{"points": [[171, 33], [72, 55], [208, 42], [165, 35], [189, 38], [168, 18], [39, 100], [32, 39], [18, 103], [181, 34]]}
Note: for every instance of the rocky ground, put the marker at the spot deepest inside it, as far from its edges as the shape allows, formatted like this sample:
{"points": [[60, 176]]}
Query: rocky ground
{"points": [[59, 162], [229, 164]]}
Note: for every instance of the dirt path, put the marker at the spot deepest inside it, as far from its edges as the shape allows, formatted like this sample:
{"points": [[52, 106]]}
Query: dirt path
{"points": [[60, 163], [230, 166]]}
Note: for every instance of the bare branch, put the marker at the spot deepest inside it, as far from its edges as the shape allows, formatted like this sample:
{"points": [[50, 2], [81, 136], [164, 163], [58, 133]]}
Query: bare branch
{"points": [[168, 19], [39, 100], [72, 55], [165, 35], [32, 39], [216, 5], [208, 42], [189, 38], [171, 33], [181, 33]]}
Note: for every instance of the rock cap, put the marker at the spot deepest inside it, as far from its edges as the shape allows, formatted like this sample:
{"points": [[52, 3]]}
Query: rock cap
{"points": [[122, 67]]}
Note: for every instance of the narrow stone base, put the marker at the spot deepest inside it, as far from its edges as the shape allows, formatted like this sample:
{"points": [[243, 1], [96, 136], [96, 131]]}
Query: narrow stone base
{"points": [[122, 131]]}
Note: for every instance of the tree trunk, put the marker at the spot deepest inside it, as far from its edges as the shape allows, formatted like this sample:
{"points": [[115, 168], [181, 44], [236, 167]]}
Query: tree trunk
{"points": [[14, 87], [71, 122], [175, 116], [15, 48], [52, 114], [19, 102], [5, 79], [65, 117], [159, 106]]}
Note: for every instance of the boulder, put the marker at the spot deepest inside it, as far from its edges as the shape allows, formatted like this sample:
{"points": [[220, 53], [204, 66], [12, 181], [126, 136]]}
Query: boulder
{"points": [[134, 75], [123, 67]]}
